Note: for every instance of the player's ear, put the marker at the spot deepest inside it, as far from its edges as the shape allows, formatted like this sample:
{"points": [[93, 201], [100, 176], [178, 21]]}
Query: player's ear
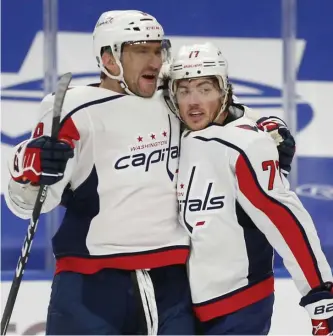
{"points": [[107, 58], [110, 63]]}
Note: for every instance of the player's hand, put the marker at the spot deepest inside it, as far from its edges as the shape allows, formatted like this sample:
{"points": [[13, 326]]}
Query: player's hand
{"points": [[285, 142], [44, 161], [319, 304]]}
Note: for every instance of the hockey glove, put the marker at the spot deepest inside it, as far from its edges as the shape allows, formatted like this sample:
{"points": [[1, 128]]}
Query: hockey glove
{"points": [[319, 304], [285, 142], [44, 161]]}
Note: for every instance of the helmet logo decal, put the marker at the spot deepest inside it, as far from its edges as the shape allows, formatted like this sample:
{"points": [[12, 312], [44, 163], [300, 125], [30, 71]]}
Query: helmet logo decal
{"points": [[104, 21]]}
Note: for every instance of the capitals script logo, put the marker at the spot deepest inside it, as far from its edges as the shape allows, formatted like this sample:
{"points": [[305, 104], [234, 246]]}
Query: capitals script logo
{"points": [[145, 159], [208, 202]]}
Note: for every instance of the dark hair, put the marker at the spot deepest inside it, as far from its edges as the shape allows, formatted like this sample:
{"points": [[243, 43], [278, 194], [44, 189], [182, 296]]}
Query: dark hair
{"points": [[230, 99], [230, 92]]}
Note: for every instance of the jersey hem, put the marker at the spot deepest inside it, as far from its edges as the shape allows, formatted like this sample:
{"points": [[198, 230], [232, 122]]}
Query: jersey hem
{"points": [[131, 261], [234, 301]]}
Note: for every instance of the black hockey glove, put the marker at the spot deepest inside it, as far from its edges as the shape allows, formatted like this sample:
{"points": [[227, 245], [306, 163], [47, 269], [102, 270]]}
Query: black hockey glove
{"points": [[285, 142], [319, 304], [44, 161]]}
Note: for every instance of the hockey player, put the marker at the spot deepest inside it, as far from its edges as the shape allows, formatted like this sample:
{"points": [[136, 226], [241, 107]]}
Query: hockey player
{"points": [[113, 167], [236, 207]]}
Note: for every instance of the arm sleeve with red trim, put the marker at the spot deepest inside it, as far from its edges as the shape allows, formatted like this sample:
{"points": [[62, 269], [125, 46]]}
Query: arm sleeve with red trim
{"points": [[280, 215], [20, 198]]}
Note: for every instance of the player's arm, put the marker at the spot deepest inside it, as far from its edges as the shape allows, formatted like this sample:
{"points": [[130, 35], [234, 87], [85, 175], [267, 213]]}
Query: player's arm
{"points": [[278, 130], [42, 160], [280, 215]]}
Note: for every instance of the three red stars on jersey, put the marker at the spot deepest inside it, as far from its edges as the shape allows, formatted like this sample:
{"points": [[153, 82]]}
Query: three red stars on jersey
{"points": [[152, 136]]}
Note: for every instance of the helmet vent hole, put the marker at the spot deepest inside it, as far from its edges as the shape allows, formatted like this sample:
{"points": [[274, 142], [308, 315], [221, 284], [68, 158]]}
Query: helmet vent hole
{"points": [[136, 28], [199, 72]]}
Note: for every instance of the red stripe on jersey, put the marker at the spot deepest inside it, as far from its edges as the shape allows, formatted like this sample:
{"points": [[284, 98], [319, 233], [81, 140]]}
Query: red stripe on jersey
{"points": [[281, 217], [129, 262], [68, 132], [243, 298]]}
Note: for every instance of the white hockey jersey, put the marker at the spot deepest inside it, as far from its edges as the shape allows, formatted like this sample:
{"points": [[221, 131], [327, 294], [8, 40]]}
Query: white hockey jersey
{"points": [[120, 187], [235, 206]]}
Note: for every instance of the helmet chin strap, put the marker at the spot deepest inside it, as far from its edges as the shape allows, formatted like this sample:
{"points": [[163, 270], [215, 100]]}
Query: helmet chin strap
{"points": [[223, 105], [120, 78]]}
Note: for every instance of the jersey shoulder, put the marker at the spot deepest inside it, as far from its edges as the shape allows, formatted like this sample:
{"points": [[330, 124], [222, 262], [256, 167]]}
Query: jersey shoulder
{"points": [[243, 132], [80, 97], [84, 97], [240, 134]]}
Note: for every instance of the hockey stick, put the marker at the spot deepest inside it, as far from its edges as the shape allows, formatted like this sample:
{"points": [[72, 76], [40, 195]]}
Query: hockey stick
{"points": [[57, 107]]}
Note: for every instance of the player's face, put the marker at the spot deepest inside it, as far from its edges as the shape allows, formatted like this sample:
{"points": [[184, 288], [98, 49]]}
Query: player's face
{"points": [[199, 101], [142, 64]]}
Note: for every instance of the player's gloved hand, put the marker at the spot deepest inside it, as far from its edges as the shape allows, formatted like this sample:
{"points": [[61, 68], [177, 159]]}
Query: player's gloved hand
{"points": [[44, 160], [285, 142], [319, 304]]}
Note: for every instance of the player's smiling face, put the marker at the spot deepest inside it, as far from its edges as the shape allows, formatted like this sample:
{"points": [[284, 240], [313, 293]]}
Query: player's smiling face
{"points": [[199, 101], [142, 63]]}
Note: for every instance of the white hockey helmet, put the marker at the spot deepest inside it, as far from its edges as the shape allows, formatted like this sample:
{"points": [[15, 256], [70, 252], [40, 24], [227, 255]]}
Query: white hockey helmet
{"points": [[199, 60], [114, 28]]}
